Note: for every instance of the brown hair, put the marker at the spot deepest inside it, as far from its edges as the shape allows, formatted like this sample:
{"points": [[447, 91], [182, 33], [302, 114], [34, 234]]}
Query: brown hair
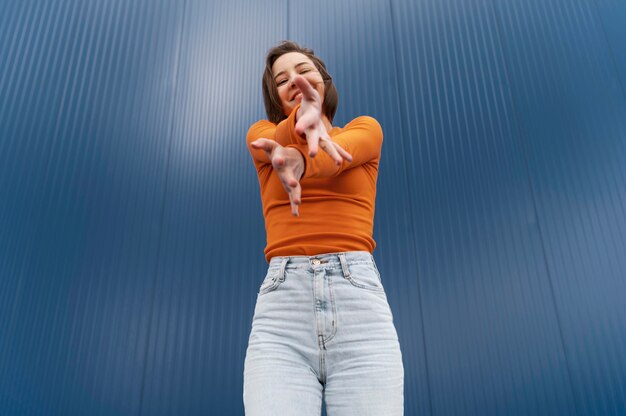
{"points": [[273, 105]]}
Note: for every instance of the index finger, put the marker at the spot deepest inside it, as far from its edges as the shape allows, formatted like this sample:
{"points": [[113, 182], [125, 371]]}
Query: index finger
{"points": [[312, 140], [308, 92], [265, 144]]}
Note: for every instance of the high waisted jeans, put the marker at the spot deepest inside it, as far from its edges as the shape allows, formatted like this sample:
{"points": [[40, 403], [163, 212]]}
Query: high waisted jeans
{"points": [[322, 325]]}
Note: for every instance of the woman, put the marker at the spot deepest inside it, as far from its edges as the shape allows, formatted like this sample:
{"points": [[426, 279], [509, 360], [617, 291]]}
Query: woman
{"points": [[322, 325]]}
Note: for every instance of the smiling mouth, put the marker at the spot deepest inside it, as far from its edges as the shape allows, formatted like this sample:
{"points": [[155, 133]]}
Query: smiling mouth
{"points": [[297, 96]]}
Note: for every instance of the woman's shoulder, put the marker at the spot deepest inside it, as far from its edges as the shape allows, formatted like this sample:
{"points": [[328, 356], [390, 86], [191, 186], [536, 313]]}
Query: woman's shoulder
{"points": [[261, 128], [261, 124], [364, 119], [365, 122]]}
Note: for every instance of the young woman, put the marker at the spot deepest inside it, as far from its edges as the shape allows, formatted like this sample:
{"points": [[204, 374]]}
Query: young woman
{"points": [[322, 325]]}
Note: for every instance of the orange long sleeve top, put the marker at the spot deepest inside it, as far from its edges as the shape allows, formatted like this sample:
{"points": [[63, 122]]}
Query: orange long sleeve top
{"points": [[337, 202]]}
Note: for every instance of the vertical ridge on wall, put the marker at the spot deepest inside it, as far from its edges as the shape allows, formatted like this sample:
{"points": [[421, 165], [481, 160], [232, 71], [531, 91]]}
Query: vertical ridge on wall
{"points": [[85, 101], [573, 117], [212, 261], [483, 277], [525, 155], [404, 133], [175, 82], [611, 15], [16, 215]]}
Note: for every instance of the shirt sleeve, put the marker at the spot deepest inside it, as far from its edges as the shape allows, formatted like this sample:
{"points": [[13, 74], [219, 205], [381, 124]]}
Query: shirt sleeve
{"points": [[362, 138], [261, 129]]}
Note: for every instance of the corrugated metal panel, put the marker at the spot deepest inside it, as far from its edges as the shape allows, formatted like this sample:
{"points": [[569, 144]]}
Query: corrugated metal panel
{"points": [[612, 15], [572, 117], [131, 232], [211, 260], [85, 129], [491, 330]]}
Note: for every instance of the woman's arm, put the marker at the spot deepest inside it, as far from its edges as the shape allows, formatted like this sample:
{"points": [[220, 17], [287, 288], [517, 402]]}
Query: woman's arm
{"points": [[287, 163], [310, 123], [362, 138], [263, 129]]}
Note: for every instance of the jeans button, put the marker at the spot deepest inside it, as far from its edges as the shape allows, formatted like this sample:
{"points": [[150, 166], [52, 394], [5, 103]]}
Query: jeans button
{"points": [[316, 262]]}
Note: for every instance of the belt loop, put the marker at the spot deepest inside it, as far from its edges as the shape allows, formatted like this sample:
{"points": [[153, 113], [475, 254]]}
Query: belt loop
{"points": [[373, 261], [344, 265], [283, 264]]}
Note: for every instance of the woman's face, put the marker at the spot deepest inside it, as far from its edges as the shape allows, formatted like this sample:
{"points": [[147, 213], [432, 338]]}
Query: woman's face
{"points": [[285, 68]]}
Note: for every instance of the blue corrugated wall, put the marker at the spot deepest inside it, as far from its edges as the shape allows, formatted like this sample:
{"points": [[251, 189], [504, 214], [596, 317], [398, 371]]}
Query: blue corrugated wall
{"points": [[131, 232]]}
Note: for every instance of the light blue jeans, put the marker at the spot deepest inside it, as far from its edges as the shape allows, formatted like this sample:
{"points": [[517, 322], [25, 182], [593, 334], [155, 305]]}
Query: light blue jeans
{"points": [[322, 325]]}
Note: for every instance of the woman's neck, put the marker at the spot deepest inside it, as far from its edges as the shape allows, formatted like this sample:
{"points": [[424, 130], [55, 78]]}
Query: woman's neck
{"points": [[326, 123]]}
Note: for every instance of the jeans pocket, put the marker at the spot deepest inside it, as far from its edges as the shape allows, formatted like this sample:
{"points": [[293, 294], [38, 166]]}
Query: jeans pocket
{"points": [[365, 276], [271, 282]]}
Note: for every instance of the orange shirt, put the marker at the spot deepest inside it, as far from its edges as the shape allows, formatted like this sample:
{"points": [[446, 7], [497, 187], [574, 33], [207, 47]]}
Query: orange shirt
{"points": [[337, 202]]}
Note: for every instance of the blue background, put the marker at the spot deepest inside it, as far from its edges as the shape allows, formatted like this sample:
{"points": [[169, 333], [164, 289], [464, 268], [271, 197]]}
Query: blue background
{"points": [[131, 231]]}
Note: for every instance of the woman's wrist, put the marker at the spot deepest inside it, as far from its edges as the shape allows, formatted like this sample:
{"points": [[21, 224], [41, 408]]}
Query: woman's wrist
{"points": [[300, 165]]}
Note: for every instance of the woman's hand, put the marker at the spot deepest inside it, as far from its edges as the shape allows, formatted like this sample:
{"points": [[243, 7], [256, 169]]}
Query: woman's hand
{"points": [[289, 166], [310, 123]]}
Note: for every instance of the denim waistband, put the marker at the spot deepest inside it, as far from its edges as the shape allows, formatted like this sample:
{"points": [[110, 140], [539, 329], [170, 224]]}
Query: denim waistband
{"points": [[342, 259]]}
